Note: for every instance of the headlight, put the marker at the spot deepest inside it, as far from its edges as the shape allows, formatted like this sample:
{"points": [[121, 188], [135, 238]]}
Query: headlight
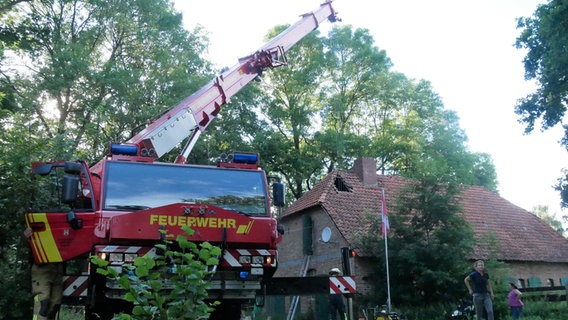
{"points": [[115, 257], [244, 259], [258, 259], [129, 257]]}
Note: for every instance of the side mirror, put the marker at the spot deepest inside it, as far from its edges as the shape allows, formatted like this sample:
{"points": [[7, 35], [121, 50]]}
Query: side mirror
{"points": [[278, 194], [73, 167], [69, 189], [43, 169], [280, 228]]}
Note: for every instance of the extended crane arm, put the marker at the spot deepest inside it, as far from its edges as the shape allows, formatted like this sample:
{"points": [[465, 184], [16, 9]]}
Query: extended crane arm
{"points": [[192, 115]]}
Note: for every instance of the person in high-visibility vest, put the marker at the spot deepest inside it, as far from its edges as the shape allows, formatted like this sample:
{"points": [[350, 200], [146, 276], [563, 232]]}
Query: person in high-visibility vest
{"points": [[47, 287]]}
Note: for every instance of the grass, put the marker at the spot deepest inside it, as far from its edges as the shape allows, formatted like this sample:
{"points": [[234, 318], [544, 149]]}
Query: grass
{"points": [[72, 313]]}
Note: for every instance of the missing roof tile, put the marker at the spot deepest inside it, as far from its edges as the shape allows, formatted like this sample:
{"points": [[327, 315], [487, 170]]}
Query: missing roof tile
{"points": [[341, 185]]}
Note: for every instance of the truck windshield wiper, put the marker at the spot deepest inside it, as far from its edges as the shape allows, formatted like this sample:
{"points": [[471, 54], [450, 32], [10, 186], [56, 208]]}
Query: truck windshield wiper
{"points": [[248, 214]]}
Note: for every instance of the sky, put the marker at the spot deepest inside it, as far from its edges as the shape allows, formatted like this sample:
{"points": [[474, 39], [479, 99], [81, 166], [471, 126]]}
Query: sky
{"points": [[463, 48]]}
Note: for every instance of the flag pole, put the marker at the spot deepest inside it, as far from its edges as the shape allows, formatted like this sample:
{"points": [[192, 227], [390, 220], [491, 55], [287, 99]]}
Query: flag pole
{"points": [[385, 226]]}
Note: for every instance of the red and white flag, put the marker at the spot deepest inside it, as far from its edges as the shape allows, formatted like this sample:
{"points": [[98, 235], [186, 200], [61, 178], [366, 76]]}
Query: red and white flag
{"points": [[385, 226]]}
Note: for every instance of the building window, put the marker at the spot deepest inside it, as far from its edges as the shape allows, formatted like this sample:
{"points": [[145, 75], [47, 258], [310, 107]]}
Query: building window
{"points": [[534, 282], [341, 185], [307, 235]]}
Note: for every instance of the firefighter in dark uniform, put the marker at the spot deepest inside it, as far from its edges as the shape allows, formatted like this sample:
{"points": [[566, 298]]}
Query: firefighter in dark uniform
{"points": [[47, 287], [336, 305]]}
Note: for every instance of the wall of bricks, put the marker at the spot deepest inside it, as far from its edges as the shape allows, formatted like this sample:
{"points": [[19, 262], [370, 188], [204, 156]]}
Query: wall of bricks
{"points": [[327, 255], [543, 271]]}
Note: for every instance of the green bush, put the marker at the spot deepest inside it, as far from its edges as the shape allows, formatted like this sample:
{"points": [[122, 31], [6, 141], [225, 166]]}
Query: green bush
{"points": [[542, 309], [184, 269], [534, 310]]}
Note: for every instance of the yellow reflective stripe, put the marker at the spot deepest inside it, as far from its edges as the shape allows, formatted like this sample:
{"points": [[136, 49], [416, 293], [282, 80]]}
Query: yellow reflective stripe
{"points": [[245, 228], [43, 241], [35, 241]]}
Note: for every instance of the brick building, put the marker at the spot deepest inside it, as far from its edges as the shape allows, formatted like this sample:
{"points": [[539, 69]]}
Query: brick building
{"points": [[331, 215]]}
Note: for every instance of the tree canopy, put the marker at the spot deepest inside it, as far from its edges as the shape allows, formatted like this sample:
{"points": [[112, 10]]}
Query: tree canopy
{"points": [[75, 76], [339, 100], [544, 36]]}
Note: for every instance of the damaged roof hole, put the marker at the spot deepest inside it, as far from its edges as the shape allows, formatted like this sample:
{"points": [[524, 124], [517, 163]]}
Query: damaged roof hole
{"points": [[341, 185]]}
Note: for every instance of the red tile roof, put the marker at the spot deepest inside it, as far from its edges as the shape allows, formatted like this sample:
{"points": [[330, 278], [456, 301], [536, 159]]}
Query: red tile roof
{"points": [[521, 236]]}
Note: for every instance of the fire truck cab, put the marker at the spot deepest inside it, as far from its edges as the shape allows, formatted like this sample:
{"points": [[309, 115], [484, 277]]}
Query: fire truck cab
{"points": [[121, 216]]}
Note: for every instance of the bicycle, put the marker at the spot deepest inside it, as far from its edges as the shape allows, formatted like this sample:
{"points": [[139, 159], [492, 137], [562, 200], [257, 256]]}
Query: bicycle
{"points": [[464, 311]]}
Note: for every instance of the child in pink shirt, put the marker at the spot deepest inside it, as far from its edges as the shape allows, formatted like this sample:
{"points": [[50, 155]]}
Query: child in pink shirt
{"points": [[515, 303]]}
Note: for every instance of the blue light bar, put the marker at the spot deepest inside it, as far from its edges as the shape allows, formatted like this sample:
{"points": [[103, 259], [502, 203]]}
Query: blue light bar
{"points": [[125, 149], [243, 274], [248, 158]]}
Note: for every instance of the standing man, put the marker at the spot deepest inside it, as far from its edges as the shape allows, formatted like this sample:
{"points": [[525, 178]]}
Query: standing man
{"points": [[47, 287], [336, 305], [482, 291]]}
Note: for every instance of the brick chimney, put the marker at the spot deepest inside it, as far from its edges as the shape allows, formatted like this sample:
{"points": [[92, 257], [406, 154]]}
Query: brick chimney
{"points": [[366, 170]]}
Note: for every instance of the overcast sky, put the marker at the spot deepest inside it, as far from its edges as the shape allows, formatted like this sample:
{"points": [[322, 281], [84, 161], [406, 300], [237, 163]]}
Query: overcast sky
{"points": [[464, 48]]}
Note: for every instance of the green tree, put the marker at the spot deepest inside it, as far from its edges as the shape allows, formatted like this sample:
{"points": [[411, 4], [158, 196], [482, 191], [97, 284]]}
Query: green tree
{"points": [[291, 109], [16, 146], [338, 100], [429, 249], [356, 73], [74, 76], [412, 134], [101, 69], [544, 35], [21, 142], [399, 121], [427, 140]]}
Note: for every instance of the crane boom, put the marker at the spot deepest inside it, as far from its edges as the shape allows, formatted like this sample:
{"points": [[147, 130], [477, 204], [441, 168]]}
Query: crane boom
{"points": [[193, 114]]}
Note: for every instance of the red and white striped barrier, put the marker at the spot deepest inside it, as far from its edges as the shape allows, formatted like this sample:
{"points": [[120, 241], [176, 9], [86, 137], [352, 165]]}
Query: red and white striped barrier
{"points": [[342, 285], [75, 286], [231, 257]]}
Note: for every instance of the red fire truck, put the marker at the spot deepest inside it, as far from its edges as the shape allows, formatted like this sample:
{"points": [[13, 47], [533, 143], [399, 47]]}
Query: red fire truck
{"points": [[117, 208]]}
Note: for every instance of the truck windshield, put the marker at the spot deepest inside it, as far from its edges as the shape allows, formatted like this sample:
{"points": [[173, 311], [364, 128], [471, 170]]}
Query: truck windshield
{"points": [[135, 186]]}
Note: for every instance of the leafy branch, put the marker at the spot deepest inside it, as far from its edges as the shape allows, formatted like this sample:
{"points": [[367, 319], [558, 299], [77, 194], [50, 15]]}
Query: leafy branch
{"points": [[172, 284]]}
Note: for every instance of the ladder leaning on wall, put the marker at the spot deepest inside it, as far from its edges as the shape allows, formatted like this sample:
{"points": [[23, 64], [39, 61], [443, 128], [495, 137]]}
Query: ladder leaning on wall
{"points": [[296, 299]]}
